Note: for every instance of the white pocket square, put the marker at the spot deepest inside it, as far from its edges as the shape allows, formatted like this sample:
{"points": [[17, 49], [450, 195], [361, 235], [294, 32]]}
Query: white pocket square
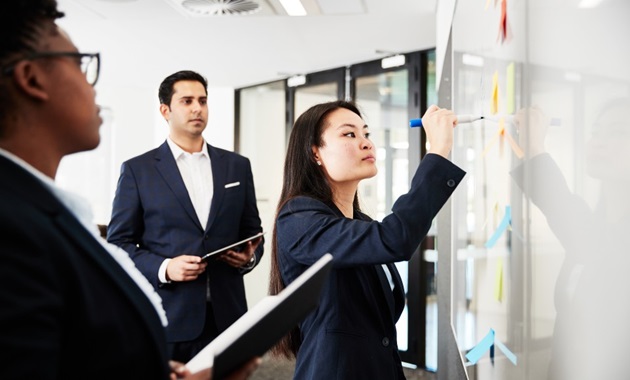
{"points": [[233, 184]]}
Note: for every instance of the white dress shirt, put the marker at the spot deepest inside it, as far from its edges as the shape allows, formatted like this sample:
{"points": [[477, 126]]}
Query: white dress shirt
{"points": [[196, 173]]}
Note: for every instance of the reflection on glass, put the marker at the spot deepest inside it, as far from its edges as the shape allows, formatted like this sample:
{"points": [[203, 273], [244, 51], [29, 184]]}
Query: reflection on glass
{"points": [[383, 100], [431, 256], [482, 283]]}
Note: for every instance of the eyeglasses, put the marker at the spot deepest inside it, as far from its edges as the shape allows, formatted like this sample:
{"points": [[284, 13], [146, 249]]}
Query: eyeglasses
{"points": [[90, 63]]}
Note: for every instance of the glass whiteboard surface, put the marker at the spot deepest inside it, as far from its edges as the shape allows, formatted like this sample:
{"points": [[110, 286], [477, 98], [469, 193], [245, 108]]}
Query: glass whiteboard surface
{"points": [[539, 224]]}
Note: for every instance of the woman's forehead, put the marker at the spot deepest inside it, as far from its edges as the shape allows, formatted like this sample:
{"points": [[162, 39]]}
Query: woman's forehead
{"points": [[344, 117]]}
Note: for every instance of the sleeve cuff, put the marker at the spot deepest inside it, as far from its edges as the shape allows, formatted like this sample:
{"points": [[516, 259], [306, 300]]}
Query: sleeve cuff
{"points": [[251, 264], [162, 272]]}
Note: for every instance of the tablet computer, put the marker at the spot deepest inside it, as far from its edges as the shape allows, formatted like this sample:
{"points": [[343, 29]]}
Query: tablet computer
{"points": [[235, 246], [254, 333]]}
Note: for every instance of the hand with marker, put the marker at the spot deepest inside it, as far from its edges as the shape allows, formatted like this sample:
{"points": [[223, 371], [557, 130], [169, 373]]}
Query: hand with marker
{"points": [[438, 124], [461, 119], [532, 124]]}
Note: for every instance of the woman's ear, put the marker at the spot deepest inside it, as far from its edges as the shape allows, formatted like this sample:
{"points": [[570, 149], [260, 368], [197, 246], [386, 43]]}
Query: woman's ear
{"points": [[30, 79], [315, 151]]}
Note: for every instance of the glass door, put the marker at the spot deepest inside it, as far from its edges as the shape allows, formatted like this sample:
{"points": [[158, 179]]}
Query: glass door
{"points": [[388, 98], [320, 87], [259, 136]]}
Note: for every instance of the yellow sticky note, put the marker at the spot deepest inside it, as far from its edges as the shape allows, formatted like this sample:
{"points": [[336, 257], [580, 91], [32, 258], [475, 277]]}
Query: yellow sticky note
{"points": [[509, 88], [515, 148], [494, 102], [494, 140], [498, 280]]}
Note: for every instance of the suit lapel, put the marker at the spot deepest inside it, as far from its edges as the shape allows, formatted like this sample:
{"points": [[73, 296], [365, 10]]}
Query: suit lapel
{"points": [[398, 292], [219, 179], [386, 288], [32, 190], [395, 297], [167, 167], [92, 248]]}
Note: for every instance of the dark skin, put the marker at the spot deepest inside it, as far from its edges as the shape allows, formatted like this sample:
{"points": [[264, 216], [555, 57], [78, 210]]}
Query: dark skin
{"points": [[180, 371], [42, 90]]}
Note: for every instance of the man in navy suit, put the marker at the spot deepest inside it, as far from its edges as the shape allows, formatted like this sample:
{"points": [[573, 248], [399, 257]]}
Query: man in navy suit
{"points": [[180, 201]]}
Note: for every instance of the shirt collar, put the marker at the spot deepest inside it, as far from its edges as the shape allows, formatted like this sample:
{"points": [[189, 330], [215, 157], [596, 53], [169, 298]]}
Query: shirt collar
{"points": [[29, 168], [178, 152], [74, 202]]}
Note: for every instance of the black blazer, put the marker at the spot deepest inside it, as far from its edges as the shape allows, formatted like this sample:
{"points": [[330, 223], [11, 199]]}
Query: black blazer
{"points": [[352, 333], [67, 308], [153, 219]]}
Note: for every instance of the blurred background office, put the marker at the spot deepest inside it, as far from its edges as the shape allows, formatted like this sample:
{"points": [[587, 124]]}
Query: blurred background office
{"points": [[267, 61]]}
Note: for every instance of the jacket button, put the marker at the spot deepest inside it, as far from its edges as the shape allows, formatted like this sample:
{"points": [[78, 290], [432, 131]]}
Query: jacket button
{"points": [[385, 341], [450, 183], [206, 237]]}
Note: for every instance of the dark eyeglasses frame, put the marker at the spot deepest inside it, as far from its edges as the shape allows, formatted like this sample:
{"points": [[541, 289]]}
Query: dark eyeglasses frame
{"points": [[52, 54]]}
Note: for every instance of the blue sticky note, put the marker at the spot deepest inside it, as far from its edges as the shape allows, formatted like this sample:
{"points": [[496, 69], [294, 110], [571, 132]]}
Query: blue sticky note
{"points": [[503, 226], [487, 344], [506, 351], [481, 348]]}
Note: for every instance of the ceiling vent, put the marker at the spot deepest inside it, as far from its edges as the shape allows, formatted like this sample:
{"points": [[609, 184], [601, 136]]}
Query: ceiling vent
{"points": [[217, 7]]}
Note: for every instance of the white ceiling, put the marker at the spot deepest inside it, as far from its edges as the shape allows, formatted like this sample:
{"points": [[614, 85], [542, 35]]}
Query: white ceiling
{"points": [[142, 41]]}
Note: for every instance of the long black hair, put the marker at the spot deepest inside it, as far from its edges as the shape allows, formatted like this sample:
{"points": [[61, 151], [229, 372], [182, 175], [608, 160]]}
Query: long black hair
{"points": [[303, 177]]}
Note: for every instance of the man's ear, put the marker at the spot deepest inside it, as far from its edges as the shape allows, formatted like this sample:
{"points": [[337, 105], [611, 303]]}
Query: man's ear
{"points": [[30, 80], [165, 111]]}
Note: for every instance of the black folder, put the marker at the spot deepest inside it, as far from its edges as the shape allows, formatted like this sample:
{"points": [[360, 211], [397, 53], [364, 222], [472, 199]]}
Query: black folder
{"points": [[264, 324]]}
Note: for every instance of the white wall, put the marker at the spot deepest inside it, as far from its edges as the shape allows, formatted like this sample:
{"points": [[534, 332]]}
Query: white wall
{"points": [[132, 125]]}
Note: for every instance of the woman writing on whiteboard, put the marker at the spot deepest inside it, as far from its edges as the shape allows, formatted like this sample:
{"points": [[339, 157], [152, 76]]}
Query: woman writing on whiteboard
{"points": [[352, 333]]}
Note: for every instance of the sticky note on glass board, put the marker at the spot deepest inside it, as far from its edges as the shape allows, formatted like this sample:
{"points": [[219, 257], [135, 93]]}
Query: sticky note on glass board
{"points": [[494, 99], [510, 89]]}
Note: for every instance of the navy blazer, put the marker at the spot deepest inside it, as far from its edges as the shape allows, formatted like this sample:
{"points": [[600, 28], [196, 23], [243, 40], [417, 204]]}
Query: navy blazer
{"points": [[153, 219], [352, 333], [67, 308]]}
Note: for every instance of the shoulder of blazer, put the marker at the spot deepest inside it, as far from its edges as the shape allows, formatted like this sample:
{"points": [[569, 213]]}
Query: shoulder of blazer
{"points": [[362, 216], [220, 153], [28, 187], [25, 187], [148, 156], [306, 203]]}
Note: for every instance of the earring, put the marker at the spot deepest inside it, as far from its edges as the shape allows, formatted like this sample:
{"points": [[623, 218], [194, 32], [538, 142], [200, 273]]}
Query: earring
{"points": [[319, 163]]}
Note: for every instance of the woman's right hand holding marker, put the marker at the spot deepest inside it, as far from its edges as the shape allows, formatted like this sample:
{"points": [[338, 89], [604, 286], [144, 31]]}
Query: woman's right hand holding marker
{"points": [[438, 124]]}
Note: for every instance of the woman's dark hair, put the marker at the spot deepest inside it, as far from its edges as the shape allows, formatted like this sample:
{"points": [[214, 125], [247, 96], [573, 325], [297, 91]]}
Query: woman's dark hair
{"points": [[22, 24], [165, 93], [303, 177]]}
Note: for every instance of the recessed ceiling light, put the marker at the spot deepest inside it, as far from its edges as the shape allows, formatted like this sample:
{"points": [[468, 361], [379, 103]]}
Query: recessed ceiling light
{"points": [[293, 7], [589, 3]]}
